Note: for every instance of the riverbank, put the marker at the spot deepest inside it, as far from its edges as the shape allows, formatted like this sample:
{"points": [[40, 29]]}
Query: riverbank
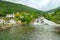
{"points": [[7, 26], [4, 27]]}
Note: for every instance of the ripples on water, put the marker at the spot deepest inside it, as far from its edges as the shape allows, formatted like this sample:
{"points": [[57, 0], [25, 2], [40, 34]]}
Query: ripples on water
{"points": [[37, 32]]}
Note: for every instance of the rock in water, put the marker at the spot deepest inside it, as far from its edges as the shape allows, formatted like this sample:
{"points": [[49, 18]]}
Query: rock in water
{"points": [[43, 21]]}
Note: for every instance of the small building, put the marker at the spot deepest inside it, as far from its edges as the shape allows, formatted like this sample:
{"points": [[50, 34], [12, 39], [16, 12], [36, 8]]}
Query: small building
{"points": [[41, 18], [10, 15], [2, 21], [12, 21]]}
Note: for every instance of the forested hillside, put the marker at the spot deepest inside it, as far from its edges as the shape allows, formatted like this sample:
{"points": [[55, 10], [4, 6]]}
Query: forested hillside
{"points": [[8, 7]]}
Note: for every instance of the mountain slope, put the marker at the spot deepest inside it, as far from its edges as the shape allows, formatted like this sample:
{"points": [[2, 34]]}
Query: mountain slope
{"points": [[8, 7]]}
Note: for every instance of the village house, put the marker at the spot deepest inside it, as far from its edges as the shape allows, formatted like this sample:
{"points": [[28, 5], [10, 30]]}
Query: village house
{"points": [[10, 15], [2, 21], [12, 21]]}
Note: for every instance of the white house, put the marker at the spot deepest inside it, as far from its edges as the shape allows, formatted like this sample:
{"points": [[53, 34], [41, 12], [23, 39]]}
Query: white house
{"points": [[12, 21], [2, 21], [10, 15]]}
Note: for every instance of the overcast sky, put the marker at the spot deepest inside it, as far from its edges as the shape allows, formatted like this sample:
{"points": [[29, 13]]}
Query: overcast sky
{"points": [[39, 4]]}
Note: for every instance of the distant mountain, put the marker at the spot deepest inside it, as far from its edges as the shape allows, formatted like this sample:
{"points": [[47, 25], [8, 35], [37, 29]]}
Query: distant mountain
{"points": [[53, 10], [8, 7]]}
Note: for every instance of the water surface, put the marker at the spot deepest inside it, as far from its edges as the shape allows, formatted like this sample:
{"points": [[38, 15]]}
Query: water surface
{"points": [[37, 32]]}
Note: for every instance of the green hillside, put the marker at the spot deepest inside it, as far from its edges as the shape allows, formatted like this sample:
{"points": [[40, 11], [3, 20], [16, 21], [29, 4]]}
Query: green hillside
{"points": [[54, 15], [8, 7]]}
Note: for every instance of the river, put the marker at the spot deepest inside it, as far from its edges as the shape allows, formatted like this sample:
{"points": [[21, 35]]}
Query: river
{"points": [[41, 32]]}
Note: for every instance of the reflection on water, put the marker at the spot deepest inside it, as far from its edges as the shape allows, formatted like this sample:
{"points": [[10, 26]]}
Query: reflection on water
{"points": [[37, 32]]}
